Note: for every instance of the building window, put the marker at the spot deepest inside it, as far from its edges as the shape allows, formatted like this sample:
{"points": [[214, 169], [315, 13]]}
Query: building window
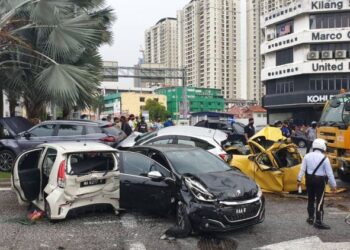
{"points": [[284, 56], [142, 99], [329, 82], [333, 20], [330, 46], [284, 29], [283, 87]]}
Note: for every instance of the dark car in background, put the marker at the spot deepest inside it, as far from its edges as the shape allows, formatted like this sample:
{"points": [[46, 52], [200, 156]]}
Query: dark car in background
{"points": [[235, 131], [205, 192], [23, 137], [299, 139]]}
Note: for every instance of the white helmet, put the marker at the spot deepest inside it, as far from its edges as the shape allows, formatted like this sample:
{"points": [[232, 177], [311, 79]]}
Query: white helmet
{"points": [[319, 144]]}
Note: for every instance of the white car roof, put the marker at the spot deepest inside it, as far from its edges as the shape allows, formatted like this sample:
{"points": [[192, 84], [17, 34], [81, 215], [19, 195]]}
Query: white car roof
{"points": [[193, 131], [71, 147]]}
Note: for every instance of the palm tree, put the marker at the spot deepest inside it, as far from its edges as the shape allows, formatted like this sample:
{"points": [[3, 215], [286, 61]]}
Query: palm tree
{"points": [[49, 50]]}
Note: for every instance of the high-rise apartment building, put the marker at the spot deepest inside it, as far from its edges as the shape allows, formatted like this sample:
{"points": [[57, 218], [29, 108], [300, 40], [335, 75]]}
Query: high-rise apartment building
{"points": [[306, 56], [255, 90], [209, 45], [161, 43]]}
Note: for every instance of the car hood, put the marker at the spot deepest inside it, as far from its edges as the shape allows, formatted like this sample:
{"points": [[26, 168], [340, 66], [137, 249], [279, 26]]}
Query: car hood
{"points": [[229, 185], [269, 133]]}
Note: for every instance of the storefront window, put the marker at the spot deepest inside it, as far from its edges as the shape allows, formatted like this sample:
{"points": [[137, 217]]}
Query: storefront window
{"points": [[326, 21]]}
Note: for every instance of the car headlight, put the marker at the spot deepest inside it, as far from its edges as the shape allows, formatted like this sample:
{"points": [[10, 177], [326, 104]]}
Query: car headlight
{"points": [[200, 192], [260, 193]]}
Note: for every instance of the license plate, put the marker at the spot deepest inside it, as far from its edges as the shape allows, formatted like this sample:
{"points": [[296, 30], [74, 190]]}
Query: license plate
{"points": [[92, 183], [240, 211]]}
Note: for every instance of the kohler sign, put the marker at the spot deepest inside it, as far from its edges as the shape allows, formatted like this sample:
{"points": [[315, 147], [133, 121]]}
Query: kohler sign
{"points": [[327, 5], [318, 98]]}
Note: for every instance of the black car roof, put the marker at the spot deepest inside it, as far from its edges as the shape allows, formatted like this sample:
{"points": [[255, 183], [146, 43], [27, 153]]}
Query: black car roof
{"points": [[168, 147]]}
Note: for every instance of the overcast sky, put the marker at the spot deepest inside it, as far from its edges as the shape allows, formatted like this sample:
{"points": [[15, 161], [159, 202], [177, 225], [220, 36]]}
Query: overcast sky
{"points": [[134, 17]]}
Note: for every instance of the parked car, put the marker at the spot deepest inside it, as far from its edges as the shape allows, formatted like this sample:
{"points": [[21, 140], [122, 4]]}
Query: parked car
{"points": [[235, 131], [209, 139], [205, 192], [60, 177], [299, 139], [54, 131]]}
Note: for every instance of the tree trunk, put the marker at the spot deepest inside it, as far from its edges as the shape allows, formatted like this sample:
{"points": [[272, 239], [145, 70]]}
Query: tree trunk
{"points": [[13, 103], [65, 113], [34, 109]]}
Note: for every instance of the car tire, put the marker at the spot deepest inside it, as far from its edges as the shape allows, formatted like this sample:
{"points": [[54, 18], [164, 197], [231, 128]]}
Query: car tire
{"points": [[182, 221], [343, 177], [301, 144], [7, 160]]}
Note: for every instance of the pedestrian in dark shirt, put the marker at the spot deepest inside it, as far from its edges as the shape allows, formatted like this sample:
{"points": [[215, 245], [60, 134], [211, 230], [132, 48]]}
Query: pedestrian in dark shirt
{"points": [[125, 126], [249, 130], [142, 126], [285, 130]]}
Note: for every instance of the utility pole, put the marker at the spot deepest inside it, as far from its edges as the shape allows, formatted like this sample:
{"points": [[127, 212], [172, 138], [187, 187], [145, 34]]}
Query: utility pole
{"points": [[184, 93]]}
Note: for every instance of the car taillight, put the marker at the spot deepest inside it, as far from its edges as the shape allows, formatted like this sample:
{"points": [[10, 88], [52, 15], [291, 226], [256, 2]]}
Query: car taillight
{"points": [[61, 175], [224, 156], [108, 139]]}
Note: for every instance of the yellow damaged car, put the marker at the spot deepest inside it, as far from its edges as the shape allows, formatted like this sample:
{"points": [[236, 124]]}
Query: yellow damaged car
{"points": [[273, 163]]}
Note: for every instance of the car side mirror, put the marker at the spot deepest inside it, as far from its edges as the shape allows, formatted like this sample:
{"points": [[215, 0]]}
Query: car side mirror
{"points": [[26, 135], [155, 175]]}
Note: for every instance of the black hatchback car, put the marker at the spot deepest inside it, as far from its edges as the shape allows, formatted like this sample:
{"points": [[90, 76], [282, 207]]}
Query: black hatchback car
{"points": [[205, 192], [16, 139]]}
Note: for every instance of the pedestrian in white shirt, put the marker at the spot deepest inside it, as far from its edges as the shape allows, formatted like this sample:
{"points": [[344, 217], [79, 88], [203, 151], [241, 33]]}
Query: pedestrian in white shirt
{"points": [[318, 170]]}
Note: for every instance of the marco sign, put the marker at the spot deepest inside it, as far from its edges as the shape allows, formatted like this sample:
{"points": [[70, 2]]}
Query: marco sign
{"points": [[318, 98]]}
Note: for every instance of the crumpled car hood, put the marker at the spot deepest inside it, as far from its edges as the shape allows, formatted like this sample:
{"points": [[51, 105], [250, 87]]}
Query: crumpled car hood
{"points": [[269, 133], [228, 185]]}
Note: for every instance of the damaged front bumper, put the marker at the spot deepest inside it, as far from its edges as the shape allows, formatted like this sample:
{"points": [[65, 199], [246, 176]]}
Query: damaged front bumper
{"points": [[226, 216]]}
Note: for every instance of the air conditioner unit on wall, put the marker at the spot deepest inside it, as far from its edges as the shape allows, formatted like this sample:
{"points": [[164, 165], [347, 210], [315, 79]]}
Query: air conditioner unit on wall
{"points": [[313, 55], [327, 54], [340, 54], [270, 36]]}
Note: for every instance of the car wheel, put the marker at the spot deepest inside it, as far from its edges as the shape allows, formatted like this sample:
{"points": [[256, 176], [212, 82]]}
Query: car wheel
{"points": [[182, 221], [301, 144], [7, 159], [343, 177]]}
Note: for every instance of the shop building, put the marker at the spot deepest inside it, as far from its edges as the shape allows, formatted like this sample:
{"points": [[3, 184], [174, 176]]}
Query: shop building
{"points": [[305, 56]]}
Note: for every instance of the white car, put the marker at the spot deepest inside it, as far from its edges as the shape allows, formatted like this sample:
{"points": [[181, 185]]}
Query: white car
{"points": [[59, 177], [205, 138]]}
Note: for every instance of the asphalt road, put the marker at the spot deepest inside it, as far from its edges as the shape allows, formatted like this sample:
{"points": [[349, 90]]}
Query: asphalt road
{"points": [[285, 220]]}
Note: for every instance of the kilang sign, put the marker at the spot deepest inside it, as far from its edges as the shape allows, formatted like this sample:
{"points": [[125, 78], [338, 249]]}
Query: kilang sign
{"points": [[327, 5]]}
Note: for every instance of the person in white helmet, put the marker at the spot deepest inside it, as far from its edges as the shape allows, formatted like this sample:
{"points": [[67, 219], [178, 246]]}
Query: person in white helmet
{"points": [[318, 170]]}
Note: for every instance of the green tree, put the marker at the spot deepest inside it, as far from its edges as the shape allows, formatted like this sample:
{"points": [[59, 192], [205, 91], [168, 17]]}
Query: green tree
{"points": [[156, 110], [49, 51]]}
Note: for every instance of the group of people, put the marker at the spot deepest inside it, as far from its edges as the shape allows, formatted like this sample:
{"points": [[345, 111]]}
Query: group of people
{"points": [[134, 123]]}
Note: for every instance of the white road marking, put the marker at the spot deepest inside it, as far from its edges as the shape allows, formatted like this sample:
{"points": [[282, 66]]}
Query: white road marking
{"points": [[309, 243], [137, 246], [338, 213], [128, 221], [100, 222], [5, 189]]}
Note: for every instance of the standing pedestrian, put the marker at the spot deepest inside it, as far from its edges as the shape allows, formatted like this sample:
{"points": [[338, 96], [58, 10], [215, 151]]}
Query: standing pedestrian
{"points": [[125, 126], [249, 130], [318, 170], [117, 122], [142, 126], [131, 120], [109, 118], [285, 130], [310, 136], [157, 124], [169, 122]]}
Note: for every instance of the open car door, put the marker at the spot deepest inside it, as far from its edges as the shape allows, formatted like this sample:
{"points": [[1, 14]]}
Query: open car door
{"points": [[266, 175], [26, 176]]}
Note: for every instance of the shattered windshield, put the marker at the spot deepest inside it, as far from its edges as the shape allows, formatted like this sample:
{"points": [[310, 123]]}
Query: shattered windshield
{"points": [[287, 157]]}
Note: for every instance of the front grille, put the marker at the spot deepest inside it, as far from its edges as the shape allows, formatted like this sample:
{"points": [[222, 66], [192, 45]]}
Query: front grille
{"points": [[243, 212]]}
